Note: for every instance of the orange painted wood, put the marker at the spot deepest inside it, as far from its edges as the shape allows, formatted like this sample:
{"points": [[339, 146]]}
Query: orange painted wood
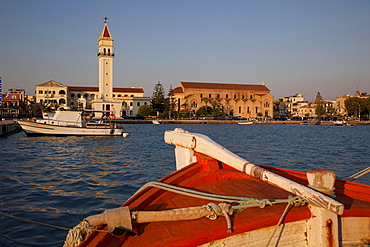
{"points": [[209, 175]]}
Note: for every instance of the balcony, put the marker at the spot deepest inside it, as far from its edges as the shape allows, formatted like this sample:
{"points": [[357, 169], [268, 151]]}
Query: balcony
{"points": [[106, 54]]}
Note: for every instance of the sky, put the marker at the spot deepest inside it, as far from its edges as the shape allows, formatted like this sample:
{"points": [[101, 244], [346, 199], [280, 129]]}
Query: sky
{"points": [[294, 46]]}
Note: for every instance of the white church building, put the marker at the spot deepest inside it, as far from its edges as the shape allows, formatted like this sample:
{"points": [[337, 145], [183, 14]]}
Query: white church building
{"points": [[105, 97]]}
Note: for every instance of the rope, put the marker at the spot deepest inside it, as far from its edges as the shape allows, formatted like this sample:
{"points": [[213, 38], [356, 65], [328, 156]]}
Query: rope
{"points": [[34, 222], [210, 196], [26, 243], [360, 173], [278, 224], [330, 192]]}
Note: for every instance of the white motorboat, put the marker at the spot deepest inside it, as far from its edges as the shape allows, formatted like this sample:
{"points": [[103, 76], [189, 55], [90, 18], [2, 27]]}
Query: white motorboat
{"points": [[248, 122], [76, 123], [340, 123]]}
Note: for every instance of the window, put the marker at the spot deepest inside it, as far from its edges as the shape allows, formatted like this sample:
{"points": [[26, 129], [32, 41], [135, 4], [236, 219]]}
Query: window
{"points": [[227, 96], [234, 96], [243, 96], [53, 92], [201, 96], [218, 95], [251, 96], [79, 95], [131, 104], [240, 109], [72, 95], [210, 96], [40, 92], [138, 103], [248, 110]]}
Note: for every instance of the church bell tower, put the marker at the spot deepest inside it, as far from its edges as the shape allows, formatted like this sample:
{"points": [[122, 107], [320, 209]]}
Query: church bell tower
{"points": [[105, 57]]}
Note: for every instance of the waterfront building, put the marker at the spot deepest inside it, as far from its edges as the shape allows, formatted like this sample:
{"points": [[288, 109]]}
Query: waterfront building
{"points": [[12, 102], [340, 105], [291, 104], [246, 100], [105, 97]]}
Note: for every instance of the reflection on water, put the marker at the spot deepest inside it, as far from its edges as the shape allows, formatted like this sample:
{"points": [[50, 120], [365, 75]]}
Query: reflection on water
{"points": [[61, 180]]}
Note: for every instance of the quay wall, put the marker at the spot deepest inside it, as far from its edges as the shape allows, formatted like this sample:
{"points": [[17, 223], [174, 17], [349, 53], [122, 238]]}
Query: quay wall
{"points": [[8, 127], [181, 121]]}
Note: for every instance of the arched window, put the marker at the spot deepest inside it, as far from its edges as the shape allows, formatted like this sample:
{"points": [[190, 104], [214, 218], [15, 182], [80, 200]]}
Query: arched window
{"points": [[72, 95], [104, 51], [201, 96], [78, 95], [86, 95], [132, 95], [108, 52], [227, 96], [40, 91], [138, 103], [62, 92]]}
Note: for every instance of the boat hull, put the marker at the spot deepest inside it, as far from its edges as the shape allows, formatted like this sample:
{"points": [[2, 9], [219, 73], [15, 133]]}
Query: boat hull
{"points": [[251, 227], [40, 129]]}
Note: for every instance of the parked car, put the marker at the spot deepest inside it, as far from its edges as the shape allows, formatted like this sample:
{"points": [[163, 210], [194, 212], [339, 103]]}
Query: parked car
{"points": [[237, 118], [222, 118]]}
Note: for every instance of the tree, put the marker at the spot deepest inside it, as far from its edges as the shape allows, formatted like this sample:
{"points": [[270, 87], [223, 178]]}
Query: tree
{"points": [[205, 100], [354, 106], [145, 110], [320, 108], [170, 104], [158, 98]]}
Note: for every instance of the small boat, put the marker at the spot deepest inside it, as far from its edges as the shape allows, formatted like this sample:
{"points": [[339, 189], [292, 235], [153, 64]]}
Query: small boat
{"points": [[216, 198], [156, 121], [248, 122], [73, 123], [340, 123]]}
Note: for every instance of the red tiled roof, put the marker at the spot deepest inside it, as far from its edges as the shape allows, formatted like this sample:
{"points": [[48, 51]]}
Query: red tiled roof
{"points": [[209, 85], [115, 89], [177, 90]]}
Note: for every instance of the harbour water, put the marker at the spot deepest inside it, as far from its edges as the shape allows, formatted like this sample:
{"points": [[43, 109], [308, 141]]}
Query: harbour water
{"points": [[61, 180]]}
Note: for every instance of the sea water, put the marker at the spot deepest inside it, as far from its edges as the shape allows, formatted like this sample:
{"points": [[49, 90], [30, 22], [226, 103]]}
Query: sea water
{"points": [[61, 180]]}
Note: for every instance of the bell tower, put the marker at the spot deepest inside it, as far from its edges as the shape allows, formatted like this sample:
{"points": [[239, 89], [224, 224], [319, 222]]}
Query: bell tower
{"points": [[105, 57]]}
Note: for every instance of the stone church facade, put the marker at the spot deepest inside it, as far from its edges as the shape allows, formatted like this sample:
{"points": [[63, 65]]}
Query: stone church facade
{"points": [[246, 100]]}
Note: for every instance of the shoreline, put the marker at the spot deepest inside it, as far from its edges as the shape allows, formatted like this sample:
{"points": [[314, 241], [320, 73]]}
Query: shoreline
{"points": [[166, 121]]}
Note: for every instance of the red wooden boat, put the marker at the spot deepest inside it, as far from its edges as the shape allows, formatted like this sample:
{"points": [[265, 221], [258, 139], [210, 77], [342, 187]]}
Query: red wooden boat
{"points": [[216, 198]]}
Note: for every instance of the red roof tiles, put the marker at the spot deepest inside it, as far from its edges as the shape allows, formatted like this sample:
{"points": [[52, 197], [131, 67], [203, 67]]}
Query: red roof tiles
{"points": [[207, 85]]}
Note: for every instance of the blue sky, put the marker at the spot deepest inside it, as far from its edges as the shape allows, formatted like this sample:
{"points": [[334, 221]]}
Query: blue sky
{"points": [[294, 46]]}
